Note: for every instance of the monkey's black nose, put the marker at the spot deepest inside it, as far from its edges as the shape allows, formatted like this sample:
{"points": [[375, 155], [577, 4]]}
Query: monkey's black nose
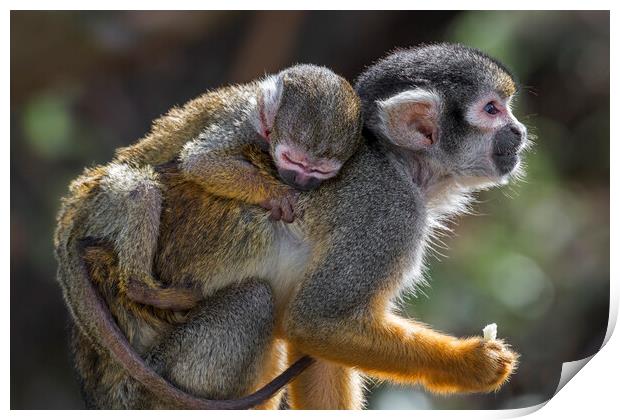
{"points": [[298, 182], [516, 130]]}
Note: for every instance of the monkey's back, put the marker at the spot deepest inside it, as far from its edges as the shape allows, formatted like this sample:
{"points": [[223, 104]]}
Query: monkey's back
{"points": [[370, 222], [172, 131]]}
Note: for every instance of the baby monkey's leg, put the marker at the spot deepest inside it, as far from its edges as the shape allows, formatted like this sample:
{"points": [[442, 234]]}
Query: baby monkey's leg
{"points": [[100, 257], [126, 213]]}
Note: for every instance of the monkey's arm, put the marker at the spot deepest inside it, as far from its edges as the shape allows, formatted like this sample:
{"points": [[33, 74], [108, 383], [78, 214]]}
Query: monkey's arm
{"points": [[388, 347], [341, 312], [237, 171]]}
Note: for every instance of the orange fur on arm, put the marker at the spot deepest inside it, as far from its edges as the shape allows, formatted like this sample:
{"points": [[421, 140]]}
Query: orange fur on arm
{"points": [[389, 347]]}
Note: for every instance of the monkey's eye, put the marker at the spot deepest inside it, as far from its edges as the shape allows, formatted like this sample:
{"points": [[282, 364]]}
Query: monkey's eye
{"points": [[491, 109]]}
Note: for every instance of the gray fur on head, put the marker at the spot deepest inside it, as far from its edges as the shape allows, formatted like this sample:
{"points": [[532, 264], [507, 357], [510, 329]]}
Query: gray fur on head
{"points": [[449, 68], [307, 96], [426, 105]]}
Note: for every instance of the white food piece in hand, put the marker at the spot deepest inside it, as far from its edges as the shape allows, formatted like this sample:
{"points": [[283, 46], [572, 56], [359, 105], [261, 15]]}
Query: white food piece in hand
{"points": [[490, 332]]}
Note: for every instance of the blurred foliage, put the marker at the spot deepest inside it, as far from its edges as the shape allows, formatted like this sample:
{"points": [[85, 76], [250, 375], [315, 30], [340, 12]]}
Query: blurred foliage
{"points": [[534, 258]]}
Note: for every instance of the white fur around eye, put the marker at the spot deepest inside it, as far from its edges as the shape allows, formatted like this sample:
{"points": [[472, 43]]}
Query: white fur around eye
{"points": [[478, 117]]}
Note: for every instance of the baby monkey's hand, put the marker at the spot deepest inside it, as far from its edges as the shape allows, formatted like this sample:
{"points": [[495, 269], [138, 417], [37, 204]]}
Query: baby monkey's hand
{"points": [[282, 207]]}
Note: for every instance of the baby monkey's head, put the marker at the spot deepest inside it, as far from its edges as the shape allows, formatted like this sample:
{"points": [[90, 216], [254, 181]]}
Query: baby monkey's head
{"points": [[311, 118], [449, 106]]}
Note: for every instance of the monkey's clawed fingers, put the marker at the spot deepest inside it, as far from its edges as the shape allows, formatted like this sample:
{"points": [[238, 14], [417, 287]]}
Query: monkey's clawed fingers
{"points": [[282, 208]]}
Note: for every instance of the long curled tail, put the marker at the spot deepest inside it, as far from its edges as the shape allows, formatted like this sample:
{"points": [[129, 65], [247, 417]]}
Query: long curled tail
{"points": [[92, 314]]}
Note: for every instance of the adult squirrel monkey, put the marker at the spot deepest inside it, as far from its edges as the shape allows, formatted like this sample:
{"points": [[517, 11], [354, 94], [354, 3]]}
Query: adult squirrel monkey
{"points": [[438, 127]]}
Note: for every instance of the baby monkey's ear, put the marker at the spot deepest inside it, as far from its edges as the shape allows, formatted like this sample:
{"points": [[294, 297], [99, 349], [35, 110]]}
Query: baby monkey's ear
{"points": [[268, 103], [410, 118]]}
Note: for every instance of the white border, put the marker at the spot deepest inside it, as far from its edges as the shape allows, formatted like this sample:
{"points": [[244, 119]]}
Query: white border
{"points": [[593, 393]]}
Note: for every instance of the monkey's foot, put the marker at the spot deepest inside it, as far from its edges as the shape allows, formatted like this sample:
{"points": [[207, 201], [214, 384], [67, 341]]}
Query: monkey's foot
{"points": [[143, 289]]}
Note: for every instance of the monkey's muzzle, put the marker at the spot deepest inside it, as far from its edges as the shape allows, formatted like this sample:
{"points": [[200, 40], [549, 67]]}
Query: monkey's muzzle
{"points": [[506, 145], [298, 181]]}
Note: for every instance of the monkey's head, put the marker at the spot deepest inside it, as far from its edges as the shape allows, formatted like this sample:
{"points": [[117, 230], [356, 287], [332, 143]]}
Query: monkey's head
{"points": [[311, 118], [448, 105]]}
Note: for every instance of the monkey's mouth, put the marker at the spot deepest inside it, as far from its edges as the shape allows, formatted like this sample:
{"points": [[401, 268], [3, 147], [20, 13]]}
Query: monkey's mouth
{"points": [[297, 180], [506, 146], [505, 162], [505, 154]]}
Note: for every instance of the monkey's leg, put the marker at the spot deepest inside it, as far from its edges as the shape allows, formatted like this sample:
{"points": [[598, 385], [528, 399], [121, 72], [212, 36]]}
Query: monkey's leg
{"points": [[126, 212], [325, 386], [218, 352], [273, 363]]}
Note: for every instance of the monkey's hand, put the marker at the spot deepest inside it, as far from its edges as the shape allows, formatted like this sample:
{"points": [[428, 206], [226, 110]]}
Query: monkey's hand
{"points": [[282, 207], [476, 365]]}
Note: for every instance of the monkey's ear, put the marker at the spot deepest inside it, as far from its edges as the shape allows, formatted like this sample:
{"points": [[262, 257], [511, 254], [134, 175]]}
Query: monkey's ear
{"points": [[410, 118], [268, 103]]}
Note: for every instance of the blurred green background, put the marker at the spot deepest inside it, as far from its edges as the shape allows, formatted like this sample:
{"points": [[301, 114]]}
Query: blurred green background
{"points": [[535, 258]]}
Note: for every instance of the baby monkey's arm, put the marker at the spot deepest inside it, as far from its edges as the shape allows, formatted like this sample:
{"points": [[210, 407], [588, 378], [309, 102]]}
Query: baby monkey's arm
{"points": [[240, 171]]}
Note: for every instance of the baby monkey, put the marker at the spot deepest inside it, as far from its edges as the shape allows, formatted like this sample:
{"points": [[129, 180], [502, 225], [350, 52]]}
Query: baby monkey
{"points": [[307, 117], [264, 143]]}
